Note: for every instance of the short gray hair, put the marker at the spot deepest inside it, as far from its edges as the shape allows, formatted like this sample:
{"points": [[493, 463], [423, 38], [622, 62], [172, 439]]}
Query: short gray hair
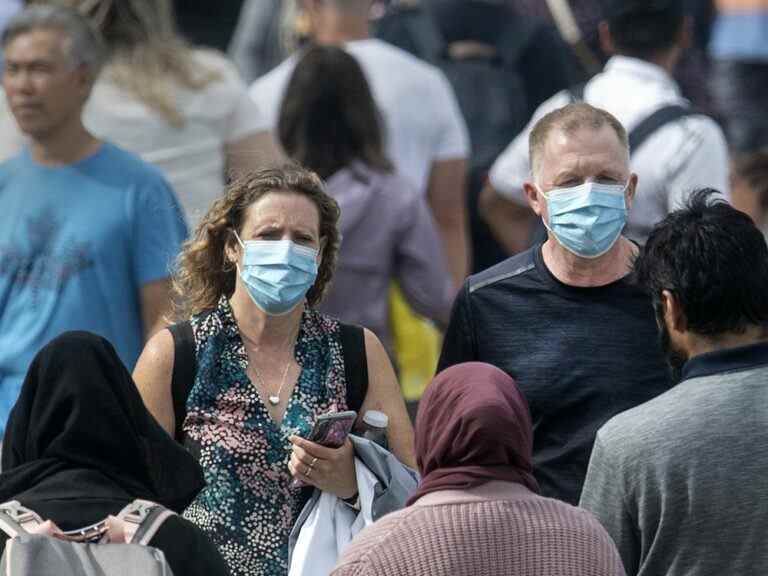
{"points": [[85, 45], [570, 119]]}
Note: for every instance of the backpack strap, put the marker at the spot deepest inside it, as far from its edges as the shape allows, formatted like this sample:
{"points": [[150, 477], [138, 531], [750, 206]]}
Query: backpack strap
{"points": [[355, 364], [566, 24], [141, 520], [16, 520], [184, 371], [658, 119]]}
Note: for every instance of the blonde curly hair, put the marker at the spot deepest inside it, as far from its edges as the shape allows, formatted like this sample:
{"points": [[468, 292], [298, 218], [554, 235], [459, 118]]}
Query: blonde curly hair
{"points": [[204, 273]]}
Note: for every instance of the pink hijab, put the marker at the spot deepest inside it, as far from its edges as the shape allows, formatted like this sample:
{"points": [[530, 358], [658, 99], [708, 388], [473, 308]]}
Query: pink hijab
{"points": [[473, 426]]}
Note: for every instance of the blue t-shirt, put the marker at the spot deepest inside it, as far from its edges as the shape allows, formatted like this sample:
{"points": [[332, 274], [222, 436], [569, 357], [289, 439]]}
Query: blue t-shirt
{"points": [[77, 242]]}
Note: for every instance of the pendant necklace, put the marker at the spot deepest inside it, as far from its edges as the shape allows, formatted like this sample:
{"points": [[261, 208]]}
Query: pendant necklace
{"points": [[274, 399]]}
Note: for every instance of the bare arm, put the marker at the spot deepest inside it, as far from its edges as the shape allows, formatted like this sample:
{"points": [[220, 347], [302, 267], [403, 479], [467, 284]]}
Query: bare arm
{"points": [[155, 306], [447, 198], [384, 395], [511, 223], [153, 374], [251, 152]]}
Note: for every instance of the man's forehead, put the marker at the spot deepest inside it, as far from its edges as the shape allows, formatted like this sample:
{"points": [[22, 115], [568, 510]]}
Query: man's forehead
{"points": [[568, 149], [37, 43]]}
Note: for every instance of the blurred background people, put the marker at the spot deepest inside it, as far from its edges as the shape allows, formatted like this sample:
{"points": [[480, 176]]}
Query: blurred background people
{"points": [[181, 108], [477, 509], [749, 187], [89, 231], [501, 68], [80, 446], [679, 481], [675, 149], [261, 40], [267, 365], [425, 133], [739, 79], [565, 318], [329, 123]]}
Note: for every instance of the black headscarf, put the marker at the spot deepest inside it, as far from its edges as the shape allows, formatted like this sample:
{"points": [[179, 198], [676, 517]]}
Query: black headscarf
{"points": [[80, 445]]}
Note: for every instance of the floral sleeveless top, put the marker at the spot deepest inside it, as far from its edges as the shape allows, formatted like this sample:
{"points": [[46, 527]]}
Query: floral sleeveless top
{"points": [[248, 506]]}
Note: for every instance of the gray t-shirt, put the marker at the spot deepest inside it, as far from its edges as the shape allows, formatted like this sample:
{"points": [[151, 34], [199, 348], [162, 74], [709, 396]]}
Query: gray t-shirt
{"points": [[680, 482]]}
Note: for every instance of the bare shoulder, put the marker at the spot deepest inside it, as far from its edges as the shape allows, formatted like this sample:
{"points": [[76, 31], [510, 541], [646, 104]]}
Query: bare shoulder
{"points": [[372, 342], [153, 375], [155, 365], [377, 357], [159, 350]]}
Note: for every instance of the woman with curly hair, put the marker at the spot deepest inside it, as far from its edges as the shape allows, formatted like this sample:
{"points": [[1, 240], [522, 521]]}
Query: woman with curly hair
{"points": [[266, 364]]}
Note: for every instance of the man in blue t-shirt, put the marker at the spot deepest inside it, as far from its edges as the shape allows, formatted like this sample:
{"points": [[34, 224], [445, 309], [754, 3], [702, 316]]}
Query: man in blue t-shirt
{"points": [[88, 232]]}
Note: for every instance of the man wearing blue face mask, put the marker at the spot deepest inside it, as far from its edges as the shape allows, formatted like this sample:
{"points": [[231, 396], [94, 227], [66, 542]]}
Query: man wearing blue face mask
{"points": [[565, 319]]}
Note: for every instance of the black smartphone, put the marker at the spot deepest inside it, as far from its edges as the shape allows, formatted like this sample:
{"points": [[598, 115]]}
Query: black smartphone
{"points": [[331, 430]]}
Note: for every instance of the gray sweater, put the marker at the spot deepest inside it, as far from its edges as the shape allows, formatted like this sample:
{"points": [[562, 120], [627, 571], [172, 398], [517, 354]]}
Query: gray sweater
{"points": [[681, 482]]}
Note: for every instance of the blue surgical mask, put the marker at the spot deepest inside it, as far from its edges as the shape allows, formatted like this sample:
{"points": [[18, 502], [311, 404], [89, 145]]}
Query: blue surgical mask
{"points": [[587, 220], [277, 273]]}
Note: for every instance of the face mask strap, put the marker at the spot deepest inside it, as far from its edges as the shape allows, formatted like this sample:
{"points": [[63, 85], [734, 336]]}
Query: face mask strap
{"points": [[238, 238]]}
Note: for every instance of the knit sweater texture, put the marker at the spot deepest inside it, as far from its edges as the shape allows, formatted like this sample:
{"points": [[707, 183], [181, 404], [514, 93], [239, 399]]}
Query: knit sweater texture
{"points": [[500, 529]]}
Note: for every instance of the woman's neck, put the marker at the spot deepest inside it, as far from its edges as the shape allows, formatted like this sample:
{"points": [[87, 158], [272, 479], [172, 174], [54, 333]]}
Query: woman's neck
{"points": [[259, 328]]}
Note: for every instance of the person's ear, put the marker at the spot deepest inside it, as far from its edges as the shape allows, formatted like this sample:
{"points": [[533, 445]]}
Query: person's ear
{"points": [[534, 197], [231, 250], [606, 38], [673, 312], [631, 190]]}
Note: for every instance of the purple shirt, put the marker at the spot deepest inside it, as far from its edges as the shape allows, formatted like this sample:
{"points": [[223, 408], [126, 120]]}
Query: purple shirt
{"points": [[387, 234]]}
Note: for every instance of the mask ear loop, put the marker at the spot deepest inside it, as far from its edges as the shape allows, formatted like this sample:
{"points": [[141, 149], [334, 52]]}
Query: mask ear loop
{"points": [[236, 264]]}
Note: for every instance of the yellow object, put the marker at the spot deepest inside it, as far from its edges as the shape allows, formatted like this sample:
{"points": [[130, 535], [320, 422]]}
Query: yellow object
{"points": [[417, 346]]}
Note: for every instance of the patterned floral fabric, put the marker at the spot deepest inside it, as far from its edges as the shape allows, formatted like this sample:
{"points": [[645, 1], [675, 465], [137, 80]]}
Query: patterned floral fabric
{"points": [[248, 506]]}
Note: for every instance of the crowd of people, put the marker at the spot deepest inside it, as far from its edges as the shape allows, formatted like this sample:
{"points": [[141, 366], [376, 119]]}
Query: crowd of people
{"points": [[195, 273]]}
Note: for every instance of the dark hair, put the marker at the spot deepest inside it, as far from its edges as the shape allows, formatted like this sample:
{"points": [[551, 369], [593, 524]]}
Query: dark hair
{"points": [[644, 28], [328, 117], [714, 260]]}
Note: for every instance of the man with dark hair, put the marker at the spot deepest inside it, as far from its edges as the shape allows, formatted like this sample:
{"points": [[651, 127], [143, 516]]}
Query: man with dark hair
{"points": [[674, 149], [566, 319], [679, 482]]}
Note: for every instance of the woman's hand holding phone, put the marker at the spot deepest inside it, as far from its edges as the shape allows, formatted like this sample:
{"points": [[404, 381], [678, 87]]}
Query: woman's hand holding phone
{"points": [[329, 469]]}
